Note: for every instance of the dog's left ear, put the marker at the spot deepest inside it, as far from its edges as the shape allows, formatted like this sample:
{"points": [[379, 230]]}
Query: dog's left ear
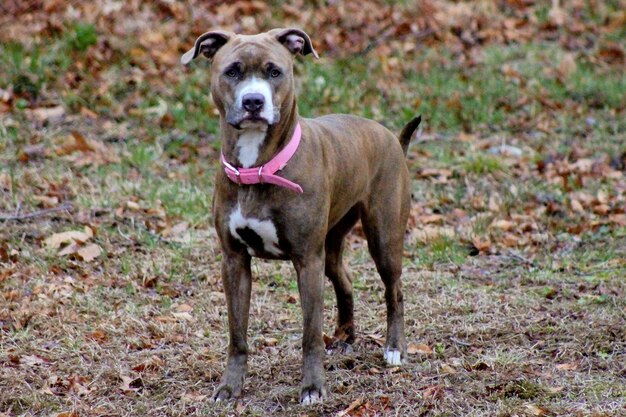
{"points": [[207, 44], [296, 40]]}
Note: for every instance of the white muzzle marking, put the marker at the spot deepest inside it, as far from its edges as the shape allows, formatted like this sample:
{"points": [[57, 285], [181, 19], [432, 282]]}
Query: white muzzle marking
{"points": [[255, 85], [253, 133]]}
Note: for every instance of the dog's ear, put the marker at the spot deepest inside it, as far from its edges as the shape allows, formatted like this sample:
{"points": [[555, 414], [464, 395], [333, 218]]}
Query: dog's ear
{"points": [[206, 44], [295, 40]]}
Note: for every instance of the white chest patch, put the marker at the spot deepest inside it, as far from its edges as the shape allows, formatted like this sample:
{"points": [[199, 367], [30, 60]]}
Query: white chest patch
{"points": [[264, 229], [248, 146]]}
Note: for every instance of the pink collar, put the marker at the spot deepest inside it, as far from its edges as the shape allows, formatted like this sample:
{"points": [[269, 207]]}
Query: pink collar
{"points": [[265, 173]]}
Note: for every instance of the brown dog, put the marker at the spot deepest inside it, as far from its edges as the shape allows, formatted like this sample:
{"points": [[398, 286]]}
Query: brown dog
{"points": [[348, 168]]}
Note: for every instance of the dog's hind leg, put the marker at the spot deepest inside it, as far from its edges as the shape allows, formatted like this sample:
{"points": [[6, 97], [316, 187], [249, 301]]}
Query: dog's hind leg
{"points": [[384, 223], [340, 276]]}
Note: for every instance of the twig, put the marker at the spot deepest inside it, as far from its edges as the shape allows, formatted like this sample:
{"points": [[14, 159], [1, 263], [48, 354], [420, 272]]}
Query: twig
{"points": [[460, 342], [65, 206]]}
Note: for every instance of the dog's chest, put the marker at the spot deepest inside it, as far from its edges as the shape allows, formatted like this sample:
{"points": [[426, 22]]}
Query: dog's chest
{"points": [[259, 235]]}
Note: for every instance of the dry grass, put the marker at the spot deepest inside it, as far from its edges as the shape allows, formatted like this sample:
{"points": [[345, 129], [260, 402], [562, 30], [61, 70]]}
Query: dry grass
{"points": [[514, 268]]}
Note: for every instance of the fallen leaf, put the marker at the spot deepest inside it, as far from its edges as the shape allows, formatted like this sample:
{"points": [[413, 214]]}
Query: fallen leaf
{"points": [[448, 369], [47, 114], [184, 308], [535, 410], [129, 384], [193, 397], [70, 249], [567, 366], [353, 406], [567, 65], [89, 252], [434, 392], [430, 218], [185, 316], [151, 363], [505, 225], [269, 341], [98, 336], [31, 360], [576, 206], [428, 233], [414, 348], [58, 239], [482, 243], [46, 201]]}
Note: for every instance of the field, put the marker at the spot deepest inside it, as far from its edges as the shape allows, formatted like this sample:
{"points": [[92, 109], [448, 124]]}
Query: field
{"points": [[111, 302]]}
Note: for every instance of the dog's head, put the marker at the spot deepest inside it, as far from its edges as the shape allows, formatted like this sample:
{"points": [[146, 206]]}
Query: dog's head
{"points": [[251, 75]]}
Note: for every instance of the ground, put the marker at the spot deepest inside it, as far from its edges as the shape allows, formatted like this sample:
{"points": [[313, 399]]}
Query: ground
{"points": [[515, 255]]}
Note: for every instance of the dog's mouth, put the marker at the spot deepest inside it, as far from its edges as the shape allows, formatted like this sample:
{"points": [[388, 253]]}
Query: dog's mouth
{"points": [[250, 120]]}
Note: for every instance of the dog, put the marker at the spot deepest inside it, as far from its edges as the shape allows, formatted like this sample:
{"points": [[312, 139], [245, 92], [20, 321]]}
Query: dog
{"points": [[291, 188]]}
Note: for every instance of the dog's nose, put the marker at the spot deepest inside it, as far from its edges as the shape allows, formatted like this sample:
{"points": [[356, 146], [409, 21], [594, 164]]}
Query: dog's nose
{"points": [[253, 102]]}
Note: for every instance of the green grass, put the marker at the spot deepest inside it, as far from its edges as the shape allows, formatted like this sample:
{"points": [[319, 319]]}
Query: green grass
{"points": [[500, 320]]}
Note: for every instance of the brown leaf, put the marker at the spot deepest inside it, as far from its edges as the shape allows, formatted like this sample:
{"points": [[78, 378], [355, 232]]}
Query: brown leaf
{"points": [[612, 53], [151, 363], [430, 218], [567, 65], [70, 249], [567, 366], [98, 336], [510, 240], [269, 341], [184, 316], [434, 392], [46, 114], [89, 252], [58, 239], [32, 360], [129, 384], [576, 206], [482, 243], [428, 233], [46, 201], [536, 410], [434, 172], [353, 406], [505, 225], [414, 348], [601, 209]]}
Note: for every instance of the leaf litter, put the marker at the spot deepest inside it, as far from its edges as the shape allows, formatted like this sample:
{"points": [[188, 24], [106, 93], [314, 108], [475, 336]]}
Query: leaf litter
{"points": [[537, 210]]}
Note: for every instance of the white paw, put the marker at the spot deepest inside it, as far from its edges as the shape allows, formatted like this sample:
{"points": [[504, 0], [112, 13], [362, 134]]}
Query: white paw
{"points": [[311, 398], [392, 357]]}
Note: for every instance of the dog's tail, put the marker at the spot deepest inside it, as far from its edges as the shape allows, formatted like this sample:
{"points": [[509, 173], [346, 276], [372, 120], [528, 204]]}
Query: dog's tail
{"points": [[407, 133]]}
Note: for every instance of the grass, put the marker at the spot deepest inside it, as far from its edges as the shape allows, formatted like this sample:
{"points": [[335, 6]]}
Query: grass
{"points": [[513, 327]]}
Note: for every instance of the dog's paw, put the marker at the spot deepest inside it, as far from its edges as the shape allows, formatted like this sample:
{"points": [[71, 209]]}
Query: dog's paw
{"points": [[339, 347], [311, 395], [225, 392], [393, 357]]}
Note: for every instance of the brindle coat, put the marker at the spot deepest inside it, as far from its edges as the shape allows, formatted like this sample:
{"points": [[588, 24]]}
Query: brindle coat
{"points": [[350, 168]]}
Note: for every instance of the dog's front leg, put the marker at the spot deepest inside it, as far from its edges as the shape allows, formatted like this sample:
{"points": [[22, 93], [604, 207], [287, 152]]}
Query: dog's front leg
{"points": [[236, 278], [311, 287]]}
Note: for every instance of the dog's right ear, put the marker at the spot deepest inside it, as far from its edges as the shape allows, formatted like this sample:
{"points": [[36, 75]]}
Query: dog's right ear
{"points": [[207, 44]]}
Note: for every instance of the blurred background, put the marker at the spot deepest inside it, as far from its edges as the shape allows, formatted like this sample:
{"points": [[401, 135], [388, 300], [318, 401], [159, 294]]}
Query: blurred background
{"points": [[108, 148]]}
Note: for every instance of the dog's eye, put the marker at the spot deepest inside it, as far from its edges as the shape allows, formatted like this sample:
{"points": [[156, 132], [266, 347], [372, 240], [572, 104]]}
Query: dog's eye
{"points": [[274, 73], [231, 73]]}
